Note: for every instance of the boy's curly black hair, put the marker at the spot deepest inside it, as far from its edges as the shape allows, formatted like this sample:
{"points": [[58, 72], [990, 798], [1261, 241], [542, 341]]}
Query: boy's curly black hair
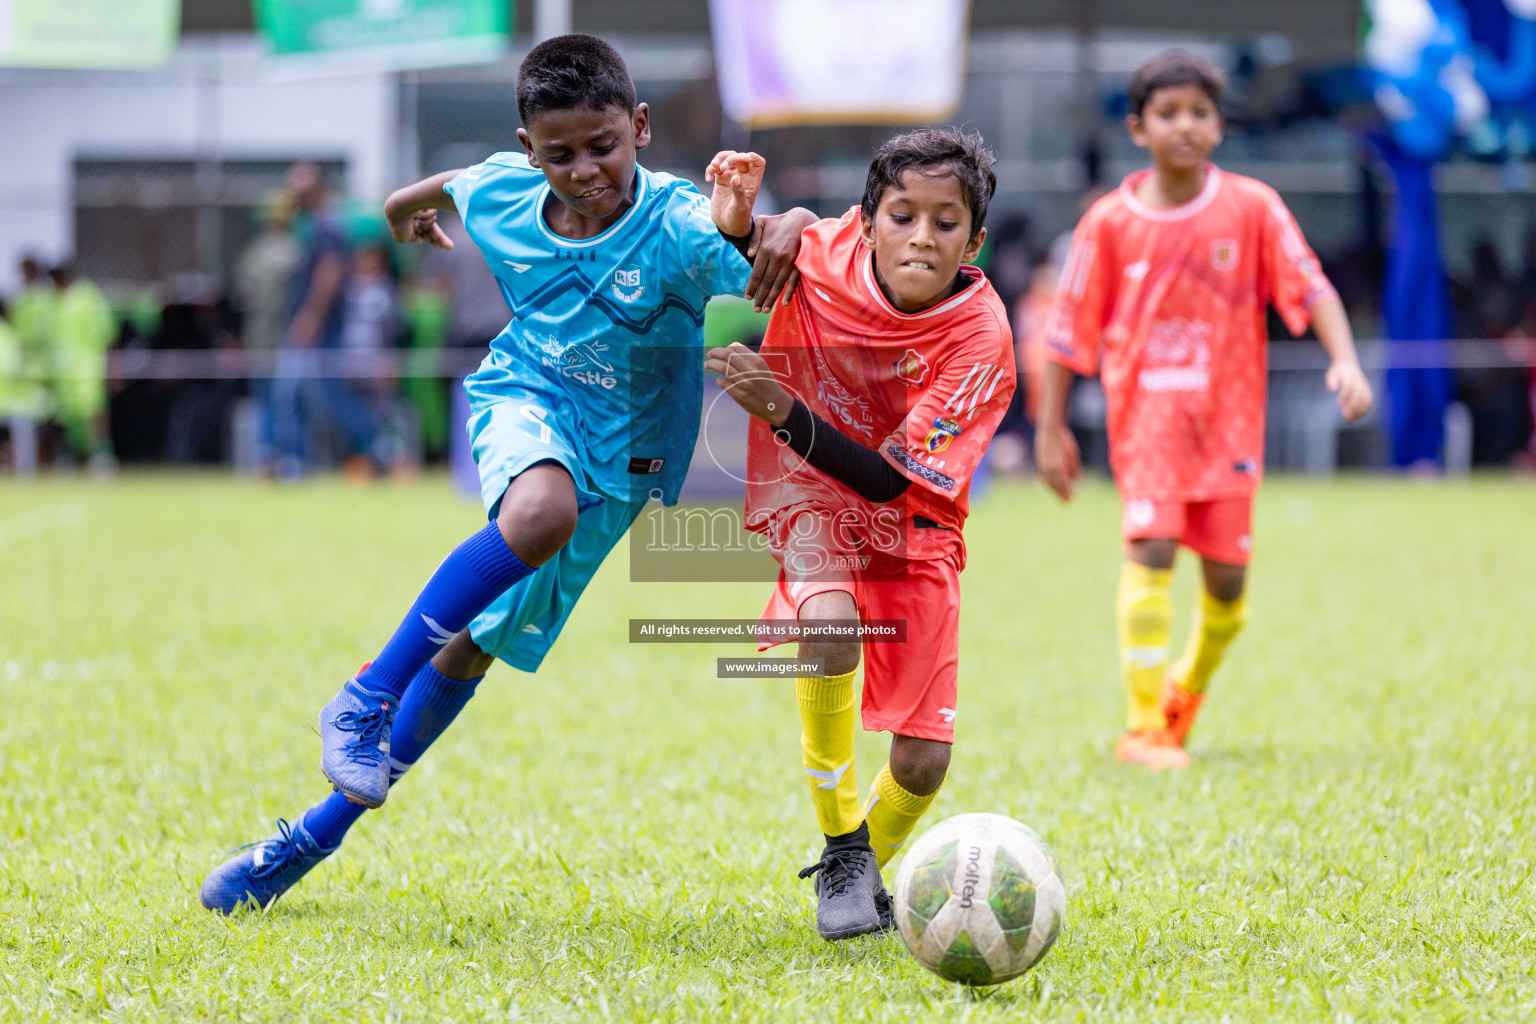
{"points": [[571, 71], [935, 151]]}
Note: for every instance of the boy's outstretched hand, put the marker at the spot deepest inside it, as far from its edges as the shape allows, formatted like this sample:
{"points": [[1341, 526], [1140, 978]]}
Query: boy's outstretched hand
{"points": [[420, 226], [737, 177], [775, 240], [412, 210], [746, 377], [1349, 382]]}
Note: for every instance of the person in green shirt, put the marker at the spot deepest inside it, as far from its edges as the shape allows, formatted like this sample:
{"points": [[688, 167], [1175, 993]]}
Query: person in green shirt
{"points": [[82, 329], [23, 400], [32, 315]]}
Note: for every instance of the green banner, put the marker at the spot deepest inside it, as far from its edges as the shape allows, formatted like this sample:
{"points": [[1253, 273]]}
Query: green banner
{"points": [[386, 33], [87, 33]]}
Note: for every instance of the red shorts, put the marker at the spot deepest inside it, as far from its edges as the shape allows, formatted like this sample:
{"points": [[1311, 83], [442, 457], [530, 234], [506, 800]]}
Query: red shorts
{"points": [[1220, 529], [909, 687]]}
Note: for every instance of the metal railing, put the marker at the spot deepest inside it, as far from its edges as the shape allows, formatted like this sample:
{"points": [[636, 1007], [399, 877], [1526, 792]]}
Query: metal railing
{"points": [[1304, 430], [249, 364]]}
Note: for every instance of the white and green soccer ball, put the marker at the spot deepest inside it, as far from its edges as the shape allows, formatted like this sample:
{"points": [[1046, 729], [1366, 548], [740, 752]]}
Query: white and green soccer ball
{"points": [[979, 899]]}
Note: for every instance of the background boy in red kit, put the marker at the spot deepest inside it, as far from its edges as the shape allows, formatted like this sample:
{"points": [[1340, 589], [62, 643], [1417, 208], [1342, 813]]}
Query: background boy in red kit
{"points": [[1164, 295]]}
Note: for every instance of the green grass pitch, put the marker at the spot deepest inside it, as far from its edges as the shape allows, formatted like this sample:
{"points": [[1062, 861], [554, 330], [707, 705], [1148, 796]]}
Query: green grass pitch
{"points": [[617, 837]]}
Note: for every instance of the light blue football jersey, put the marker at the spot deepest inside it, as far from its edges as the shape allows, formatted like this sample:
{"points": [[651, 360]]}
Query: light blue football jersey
{"points": [[610, 328]]}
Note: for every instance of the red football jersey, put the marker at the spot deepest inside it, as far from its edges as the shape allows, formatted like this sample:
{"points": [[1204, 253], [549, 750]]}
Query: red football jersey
{"points": [[927, 390], [1176, 298]]}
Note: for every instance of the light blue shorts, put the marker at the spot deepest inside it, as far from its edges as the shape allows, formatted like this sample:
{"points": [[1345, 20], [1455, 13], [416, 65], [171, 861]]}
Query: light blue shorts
{"points": [[507, 436]]}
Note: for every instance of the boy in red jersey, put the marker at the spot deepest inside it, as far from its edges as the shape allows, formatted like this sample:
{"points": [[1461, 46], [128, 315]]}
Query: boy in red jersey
{"points": [[1164, 295], [878, 386]]}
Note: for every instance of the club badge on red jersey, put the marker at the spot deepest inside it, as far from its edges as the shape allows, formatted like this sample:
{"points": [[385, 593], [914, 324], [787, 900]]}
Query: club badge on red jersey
{"points": [[1224, 254], [911, 369]]}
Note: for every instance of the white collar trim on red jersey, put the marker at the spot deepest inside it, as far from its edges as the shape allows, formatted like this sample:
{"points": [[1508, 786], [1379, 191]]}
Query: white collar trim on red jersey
{"points": [[1189, 209], [943, 307]]}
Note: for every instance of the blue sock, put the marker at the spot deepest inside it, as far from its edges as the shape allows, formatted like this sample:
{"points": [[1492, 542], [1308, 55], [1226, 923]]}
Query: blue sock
{"points": [[431, 703], [429, 707], [327, 822], [467, 581]]}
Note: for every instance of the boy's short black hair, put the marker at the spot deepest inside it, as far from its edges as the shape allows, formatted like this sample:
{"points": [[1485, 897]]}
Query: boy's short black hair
{"points": [[570, 71], [1173, 68], [936, 151]]}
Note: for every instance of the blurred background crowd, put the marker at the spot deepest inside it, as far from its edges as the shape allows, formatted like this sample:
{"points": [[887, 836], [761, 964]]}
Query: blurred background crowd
{"points": [[196, 268], [302, 335]]}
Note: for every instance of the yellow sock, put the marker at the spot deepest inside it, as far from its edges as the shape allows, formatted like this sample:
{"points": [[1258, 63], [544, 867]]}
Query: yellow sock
{"points": [[1215, 624], [826, 741], [1144, 615], [892, 813]]}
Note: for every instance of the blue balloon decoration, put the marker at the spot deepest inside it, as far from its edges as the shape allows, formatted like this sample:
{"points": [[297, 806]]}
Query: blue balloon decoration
{"points": [[1482, 55]]}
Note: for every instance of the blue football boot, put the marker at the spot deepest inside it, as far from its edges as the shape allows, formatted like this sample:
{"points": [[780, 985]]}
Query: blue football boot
{"points": [[261, 872], [354, 742]]}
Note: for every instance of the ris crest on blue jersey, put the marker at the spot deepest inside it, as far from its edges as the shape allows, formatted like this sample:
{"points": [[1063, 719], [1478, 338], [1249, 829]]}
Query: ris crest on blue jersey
{"points": [[626, 284]]}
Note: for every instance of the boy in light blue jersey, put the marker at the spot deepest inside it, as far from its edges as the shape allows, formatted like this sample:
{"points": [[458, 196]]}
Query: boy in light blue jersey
{"points": [[588, 404]]}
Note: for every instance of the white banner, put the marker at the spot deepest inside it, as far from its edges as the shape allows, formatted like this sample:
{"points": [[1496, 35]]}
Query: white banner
{"points": [[782, 62]]}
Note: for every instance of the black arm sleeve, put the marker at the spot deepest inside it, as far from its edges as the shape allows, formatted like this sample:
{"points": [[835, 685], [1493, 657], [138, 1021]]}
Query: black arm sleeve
{"points": [[741, 242], [841, 457]]}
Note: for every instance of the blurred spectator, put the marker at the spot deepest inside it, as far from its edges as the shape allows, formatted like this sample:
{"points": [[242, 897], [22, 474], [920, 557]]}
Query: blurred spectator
{"points": [[23, 402], [264, 273], [197, 411], [1011, 449], [261, 283], [82, 328], [1029, 325], [1356, 275], [31, 315], [372, 303], [315, 319], [1008, 268], [1488, 306], [1527, 459], [1526, 290], [1486, 303], [476, 313], [362, 406], [1009, 257]]}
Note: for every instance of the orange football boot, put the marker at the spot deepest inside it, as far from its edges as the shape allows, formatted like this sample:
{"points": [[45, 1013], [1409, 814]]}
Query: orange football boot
{"points": [[1180, 708], [1151, 748]]}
